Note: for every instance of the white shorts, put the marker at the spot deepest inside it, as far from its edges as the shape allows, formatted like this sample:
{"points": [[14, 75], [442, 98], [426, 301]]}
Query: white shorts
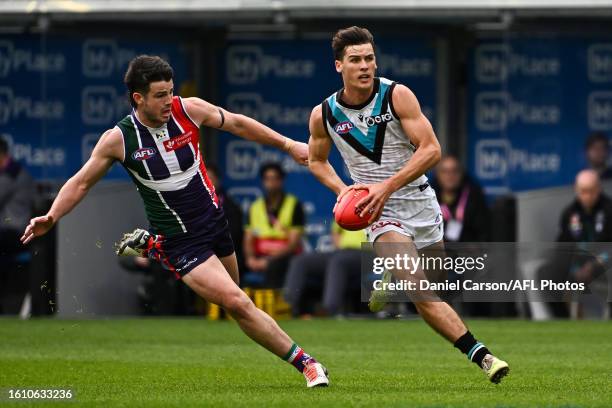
{"points": [[425, 227]]}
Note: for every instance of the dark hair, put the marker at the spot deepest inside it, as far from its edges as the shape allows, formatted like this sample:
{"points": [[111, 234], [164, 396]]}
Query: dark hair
{"points": [[596, 137], [350, 36], [143, 70], [3, 146], [271, 166]]}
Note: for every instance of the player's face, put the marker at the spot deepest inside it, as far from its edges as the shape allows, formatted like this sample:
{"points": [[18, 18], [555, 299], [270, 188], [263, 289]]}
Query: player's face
{"points": [[358, 66], [155, 105]]}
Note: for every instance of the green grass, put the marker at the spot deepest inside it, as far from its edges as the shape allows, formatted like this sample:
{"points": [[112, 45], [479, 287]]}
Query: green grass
{"points": [[191, 362]]}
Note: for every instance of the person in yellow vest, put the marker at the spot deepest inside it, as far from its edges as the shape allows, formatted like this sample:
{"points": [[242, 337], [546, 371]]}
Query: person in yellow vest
{"points": [[274, 230], [332, 272]]}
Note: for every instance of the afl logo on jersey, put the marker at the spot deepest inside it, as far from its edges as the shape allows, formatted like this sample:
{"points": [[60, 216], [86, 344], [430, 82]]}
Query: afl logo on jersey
{"points": [[378, 119], [144, 154], [344, 127]]}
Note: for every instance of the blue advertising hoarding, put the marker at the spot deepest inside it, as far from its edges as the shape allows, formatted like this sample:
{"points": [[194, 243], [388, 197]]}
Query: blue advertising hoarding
{"points": [[533, 102], [59, 94], [278, 82]]}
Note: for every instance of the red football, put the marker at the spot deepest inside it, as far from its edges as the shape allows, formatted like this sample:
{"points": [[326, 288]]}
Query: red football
{"points": [[346, 213]]}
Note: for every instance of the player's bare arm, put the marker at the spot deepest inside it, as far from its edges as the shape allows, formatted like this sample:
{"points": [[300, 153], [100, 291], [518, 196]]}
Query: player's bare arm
{"points": [[319, 146], [207, 114], [418, 128], [108, 149]]}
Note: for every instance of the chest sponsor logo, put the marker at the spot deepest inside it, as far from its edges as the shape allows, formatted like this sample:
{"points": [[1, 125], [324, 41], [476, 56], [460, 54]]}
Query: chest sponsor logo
{"points": [[378, 119], [144, 154], [343, 127], [178, 141]]}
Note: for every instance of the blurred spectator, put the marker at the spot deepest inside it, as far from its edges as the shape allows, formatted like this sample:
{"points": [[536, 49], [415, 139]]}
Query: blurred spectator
{"points": [[466, 215], [587, 219], [274, 230], [463, 205], [16, 201], [597, 149], [17, 195], [232, 211], [332, 272]]}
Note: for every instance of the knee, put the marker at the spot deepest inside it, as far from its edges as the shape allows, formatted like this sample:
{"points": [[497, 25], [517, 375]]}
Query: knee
{"points": [[237, 304]]}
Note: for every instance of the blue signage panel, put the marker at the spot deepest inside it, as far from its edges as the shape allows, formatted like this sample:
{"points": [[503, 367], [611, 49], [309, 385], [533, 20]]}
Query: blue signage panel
{"points": [[278, 83], [533, 102], [58, 95]]}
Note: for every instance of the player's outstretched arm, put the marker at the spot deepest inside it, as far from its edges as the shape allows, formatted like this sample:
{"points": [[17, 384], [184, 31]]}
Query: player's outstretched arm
{"points": [[319, 146], [108, 149], [213, 116]]}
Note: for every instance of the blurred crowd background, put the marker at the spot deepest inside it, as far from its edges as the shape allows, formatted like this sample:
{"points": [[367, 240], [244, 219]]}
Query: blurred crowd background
{"points": [[519, 94]]}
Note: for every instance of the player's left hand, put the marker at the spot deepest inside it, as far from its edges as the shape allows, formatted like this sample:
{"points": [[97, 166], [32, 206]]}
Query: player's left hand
{"points": [[372, 205], [299, 152], [38, 226]]}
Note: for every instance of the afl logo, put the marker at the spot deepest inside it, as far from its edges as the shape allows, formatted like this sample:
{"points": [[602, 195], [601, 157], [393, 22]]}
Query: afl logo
{"points": [[144, 154], [343, 127]]}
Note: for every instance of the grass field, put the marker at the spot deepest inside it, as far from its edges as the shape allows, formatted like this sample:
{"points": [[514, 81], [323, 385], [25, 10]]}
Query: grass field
{"points": [[190, 362]]}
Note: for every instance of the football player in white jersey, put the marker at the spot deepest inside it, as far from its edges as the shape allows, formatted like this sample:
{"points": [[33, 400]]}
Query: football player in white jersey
{"points": [[388, 144]]}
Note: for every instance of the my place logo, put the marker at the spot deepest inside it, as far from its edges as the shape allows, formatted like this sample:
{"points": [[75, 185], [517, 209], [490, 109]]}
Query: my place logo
{"points": [[496, 62], [246, 64], [102, 57], [102, 105], [14, 59], [15, 107], [599, 61], [497, 158], [393, 65], [35, 156], [496, 110], [599, 107], [244, 159], [254, 106]]}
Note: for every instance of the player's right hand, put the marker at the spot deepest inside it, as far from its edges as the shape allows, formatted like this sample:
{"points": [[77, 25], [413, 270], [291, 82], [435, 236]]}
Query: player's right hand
{"points": [[38, 226]]}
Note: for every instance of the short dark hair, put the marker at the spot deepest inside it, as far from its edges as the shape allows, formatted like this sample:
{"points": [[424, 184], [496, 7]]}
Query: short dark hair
{"points": [[597, 137], [350, 36], [271, 166], [143, 70], [3, 146]]}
